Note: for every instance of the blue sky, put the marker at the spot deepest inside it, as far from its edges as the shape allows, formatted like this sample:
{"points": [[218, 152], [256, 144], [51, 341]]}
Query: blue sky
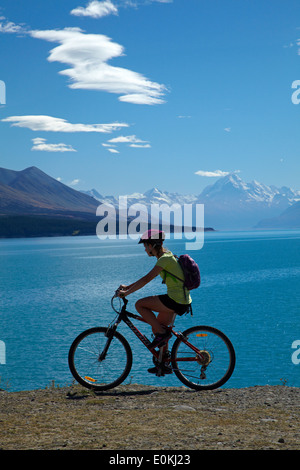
{"points": [[123, 96]]}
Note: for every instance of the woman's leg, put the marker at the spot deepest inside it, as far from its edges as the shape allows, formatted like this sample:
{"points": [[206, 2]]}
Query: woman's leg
{"points": [[147, 305]]}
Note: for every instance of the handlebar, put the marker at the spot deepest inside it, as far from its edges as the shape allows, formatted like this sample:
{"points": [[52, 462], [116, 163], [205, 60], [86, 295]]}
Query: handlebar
{"points": [[125, 301], [116, 295]]}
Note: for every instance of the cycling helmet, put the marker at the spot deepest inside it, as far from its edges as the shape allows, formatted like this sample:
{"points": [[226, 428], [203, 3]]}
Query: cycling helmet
{"points": [[152, 236]]}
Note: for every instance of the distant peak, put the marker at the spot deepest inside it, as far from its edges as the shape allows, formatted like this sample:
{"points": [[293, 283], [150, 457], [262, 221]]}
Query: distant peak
{"points": [[233, 177], [153, 191], [32, 168]]}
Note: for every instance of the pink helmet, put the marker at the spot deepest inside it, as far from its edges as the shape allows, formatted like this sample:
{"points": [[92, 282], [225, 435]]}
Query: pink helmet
{"points": [[152, 235]]}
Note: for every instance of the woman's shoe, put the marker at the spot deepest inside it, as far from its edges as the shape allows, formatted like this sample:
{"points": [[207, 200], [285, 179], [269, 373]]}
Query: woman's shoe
{"points": [[165, 370], [160, 339]]}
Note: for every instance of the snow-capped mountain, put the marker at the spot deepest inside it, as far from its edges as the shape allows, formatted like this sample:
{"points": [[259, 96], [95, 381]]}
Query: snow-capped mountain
{"points": [[152, 196], [229, 203], [231, 188], [102, 199]]}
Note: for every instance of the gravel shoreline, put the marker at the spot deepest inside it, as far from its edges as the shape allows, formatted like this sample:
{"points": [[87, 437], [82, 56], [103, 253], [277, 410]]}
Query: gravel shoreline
{"points": [[140, 417]]}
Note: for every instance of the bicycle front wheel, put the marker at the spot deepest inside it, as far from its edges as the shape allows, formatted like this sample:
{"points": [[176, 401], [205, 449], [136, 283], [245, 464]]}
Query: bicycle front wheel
{"points": [[204, 359], [100, 362]]}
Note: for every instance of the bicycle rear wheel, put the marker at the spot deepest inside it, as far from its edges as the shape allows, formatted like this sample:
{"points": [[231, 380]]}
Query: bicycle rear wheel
{"points": [[95, 370], [210, 365]]}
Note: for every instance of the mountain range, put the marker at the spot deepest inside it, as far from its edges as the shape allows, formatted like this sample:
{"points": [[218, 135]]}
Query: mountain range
{"points": [[33, 203], [229, 203]]}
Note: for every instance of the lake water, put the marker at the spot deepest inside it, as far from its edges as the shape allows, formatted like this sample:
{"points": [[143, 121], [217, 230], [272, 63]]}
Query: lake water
{"points": [[51, 289]]}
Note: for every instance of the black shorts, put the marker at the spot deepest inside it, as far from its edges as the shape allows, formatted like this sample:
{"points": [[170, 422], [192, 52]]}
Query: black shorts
{"points": [[180, 309]]}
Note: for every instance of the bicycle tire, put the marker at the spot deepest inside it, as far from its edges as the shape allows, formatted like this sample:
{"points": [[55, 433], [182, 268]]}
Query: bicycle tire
{"points": [[217, 363], [84, 364]]}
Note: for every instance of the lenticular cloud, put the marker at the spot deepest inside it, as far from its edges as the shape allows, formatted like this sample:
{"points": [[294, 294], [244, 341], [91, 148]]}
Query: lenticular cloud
{"points": [[53, 124], [96, 9], [88, 54]]}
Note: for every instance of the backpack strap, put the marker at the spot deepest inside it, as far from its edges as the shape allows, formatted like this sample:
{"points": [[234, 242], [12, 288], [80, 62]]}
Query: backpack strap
{"points": [[167, 272], [182, 280]]}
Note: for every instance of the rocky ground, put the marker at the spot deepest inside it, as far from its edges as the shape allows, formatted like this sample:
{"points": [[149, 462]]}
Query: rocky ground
{"points": [[138, 417]]}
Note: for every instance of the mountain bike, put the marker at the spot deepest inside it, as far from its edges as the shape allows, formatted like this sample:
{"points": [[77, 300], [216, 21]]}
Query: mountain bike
{"points": [[100, 358]]}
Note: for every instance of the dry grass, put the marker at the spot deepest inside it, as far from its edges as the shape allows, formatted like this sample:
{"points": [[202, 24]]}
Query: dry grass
{"points": [[150, 418]]}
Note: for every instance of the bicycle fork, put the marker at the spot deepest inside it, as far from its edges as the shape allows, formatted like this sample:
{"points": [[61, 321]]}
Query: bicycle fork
{"points": [[109, 334]]}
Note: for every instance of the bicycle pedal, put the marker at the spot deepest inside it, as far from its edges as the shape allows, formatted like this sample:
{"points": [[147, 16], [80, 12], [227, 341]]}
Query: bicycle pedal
{"points": [[160, 373]]}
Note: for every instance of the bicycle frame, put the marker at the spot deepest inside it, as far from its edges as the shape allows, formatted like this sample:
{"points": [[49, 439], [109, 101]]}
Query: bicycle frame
{"points": [[124, 315], [86, 354]]}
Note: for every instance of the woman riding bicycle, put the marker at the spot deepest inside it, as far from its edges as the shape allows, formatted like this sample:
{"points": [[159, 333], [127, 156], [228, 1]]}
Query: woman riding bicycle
{"points": [[177, 299]]}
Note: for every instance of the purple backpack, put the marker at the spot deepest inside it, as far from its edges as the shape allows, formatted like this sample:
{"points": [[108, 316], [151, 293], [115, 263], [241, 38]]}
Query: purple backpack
{"points": [[191, 271]]}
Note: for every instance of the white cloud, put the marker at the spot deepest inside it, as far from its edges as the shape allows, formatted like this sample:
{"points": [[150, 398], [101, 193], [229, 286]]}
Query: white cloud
{"points": [[110, 148], [96, 9], [74, 182], [10, 27], [131, 139], [212, 174], [87, 55], [41, 145], [227, 129], [141, 146], [140, 98], [52, 124]]}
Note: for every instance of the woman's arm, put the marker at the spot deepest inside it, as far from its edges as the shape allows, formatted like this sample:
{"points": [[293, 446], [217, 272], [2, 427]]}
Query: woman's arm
{"points": [[126, 290]]}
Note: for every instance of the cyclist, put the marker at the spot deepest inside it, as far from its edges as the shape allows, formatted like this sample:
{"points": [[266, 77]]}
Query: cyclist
{"points": [[177, 299]]}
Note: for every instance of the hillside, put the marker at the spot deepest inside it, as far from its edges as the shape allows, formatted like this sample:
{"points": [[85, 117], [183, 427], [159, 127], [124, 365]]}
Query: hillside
{"points": [[32, 204], [139, 417], [33, 192], [288, 219], [20, 226]]}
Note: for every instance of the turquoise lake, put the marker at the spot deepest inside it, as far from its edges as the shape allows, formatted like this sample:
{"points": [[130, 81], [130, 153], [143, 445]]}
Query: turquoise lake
{"points": [[51, 289]]}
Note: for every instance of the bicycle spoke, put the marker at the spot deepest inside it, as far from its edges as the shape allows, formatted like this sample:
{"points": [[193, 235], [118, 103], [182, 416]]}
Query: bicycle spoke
{"points": [[93, 372], [210, 365]]}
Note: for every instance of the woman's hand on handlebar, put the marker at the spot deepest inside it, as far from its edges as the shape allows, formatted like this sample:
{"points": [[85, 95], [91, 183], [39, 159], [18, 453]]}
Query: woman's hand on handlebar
{"points": [[121, 291]]}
